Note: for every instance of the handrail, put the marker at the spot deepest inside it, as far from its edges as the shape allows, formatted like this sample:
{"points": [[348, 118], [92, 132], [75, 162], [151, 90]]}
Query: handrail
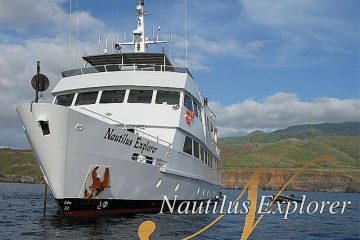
{"points": [[157, 138], [213, 114], [126, 127], [105, 117], [120, 67]]}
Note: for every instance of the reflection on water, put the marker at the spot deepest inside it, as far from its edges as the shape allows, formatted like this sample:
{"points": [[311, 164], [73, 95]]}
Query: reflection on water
{"points": [[21, 218]]}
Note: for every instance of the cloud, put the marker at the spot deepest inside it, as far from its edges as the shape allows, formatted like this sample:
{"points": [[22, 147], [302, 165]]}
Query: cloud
{"points": [[287, 28], [23, 13], [282, 110], [298, 27], [201, 50], [18, 59], [47, 18]]}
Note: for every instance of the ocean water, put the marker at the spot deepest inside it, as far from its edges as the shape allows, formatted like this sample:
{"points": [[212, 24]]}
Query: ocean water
{"points": [[21, 217]]}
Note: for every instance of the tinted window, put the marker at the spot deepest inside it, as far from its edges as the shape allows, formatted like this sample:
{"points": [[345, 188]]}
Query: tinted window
{"points": [[202, 151], [167, 97], [64, 100], [114, 96], [196, 110], [140, 96], [86, 98], [196, 149], [188, 102], [188, 145]]}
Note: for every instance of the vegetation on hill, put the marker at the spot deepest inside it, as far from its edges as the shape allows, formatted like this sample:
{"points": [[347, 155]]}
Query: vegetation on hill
{"points": [[298, 132], [292, 153], [281, 160], [19, 166]]}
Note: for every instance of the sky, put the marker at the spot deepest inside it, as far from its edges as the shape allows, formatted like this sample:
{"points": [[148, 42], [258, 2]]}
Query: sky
{"points": [[263, 64]]}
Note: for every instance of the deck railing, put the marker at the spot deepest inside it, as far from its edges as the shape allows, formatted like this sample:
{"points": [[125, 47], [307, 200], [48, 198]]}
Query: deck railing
{"points": [[124, 67], [127, 127]]}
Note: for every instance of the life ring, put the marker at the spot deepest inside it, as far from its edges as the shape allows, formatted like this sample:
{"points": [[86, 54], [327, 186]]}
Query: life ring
{"points": [[188, 117]]}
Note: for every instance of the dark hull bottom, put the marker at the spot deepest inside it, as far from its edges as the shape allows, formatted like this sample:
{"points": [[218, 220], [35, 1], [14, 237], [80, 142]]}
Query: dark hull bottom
{"points": [[75, 207]]}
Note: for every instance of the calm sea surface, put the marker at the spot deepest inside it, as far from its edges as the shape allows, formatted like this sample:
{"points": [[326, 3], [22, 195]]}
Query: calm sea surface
{"points": [[21, 217]]}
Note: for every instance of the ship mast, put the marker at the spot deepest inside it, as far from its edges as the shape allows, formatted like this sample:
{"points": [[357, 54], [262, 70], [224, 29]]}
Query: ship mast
{"points": [[140, 41], [139, 32]]}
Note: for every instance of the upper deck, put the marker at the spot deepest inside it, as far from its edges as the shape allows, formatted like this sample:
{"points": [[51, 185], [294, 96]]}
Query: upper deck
{"points": [[135, 61]]}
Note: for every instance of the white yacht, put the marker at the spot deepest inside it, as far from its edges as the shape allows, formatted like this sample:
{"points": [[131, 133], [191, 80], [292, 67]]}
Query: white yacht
{"points": [[123, 132]]}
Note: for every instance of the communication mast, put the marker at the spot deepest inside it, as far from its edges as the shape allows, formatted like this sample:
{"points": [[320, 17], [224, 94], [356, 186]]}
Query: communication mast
{"points": [[140, 41]]}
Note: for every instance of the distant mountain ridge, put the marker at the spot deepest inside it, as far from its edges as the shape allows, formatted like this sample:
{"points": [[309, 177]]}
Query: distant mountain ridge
{"points": [[300, 132]]}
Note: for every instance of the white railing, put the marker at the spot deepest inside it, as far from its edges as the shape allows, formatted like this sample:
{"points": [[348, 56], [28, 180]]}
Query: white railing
{"points": [[124, 67], [156, 138]]}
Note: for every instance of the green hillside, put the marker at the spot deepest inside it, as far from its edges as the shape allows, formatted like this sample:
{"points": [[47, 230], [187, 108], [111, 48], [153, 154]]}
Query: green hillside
{"points": [[298, 132], [19, 165], [292, 153]]}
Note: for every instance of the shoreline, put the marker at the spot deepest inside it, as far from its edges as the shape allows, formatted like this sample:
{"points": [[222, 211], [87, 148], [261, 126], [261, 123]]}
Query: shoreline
{"points": [[263, 185], [312, 180]]}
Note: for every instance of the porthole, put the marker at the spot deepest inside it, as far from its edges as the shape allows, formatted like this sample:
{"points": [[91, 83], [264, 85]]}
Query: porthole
{"points": [[198, 191], [177, 187]]}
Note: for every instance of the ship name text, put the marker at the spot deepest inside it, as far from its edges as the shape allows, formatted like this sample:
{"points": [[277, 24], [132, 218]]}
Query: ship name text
{"points": [[126, 140]]}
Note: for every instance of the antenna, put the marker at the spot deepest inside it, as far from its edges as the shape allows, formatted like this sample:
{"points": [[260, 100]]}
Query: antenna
{"points": [[77, 32], [106, 45], [69, 53], [112, 43], [140, 41], [170, 43], [186, 41], [99, 43]]}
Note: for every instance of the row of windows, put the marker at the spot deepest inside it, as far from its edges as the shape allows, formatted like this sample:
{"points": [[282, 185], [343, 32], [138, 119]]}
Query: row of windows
{"points": [[192, 147], [118, 96]]}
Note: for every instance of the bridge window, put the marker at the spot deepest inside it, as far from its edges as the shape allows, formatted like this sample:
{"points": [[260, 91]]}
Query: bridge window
{"points": [[202, 153], [196, 110], [113, 96], [140, 96], [86, 98], [188, 145], [64, 100], [167, 97], [196, 149], [188, 102]]}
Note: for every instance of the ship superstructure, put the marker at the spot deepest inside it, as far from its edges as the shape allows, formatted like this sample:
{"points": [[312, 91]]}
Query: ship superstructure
{"points": [[123, 132]]}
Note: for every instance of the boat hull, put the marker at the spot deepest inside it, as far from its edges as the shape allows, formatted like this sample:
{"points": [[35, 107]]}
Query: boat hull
{"points": [[86, 161], [75, 207]]}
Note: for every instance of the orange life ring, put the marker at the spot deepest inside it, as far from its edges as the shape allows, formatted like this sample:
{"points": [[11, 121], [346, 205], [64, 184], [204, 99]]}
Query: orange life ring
{"points": [[188, 117]]}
